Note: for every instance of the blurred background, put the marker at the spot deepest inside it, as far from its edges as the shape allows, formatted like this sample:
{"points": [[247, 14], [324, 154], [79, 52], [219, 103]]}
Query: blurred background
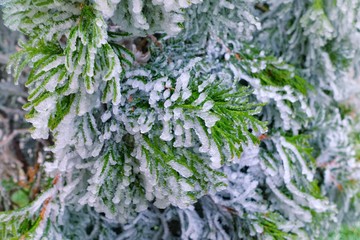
{"points": [[20, 155]]}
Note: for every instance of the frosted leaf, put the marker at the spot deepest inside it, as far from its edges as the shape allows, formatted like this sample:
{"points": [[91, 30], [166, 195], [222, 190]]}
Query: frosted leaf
{"points": [[178, 141], [175, 96], [141, 119], [167, 116], [167, 103], [188, 138], [182, 81], [206, 83], [209, 119], [158, 86], [200, 99], [305, 170], [46, 105], [215, 155], [55, 63], [186, 94], [161, 203], [177, 113], [131, 16], [207, 106], [166, 135], [52, 83], [305, 215], [181, 169], [186, 187], [106, 116], [166, 94], [106, 7], [203, 138], [287, 174], [258, 228], [178, 130]]}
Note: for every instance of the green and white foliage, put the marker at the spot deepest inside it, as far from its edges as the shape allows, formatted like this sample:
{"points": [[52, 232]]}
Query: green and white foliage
{"points": [[220, 127], [161, 131], [141, 17], [337, 162], [325, 49], [319, 37], [32, 18]]}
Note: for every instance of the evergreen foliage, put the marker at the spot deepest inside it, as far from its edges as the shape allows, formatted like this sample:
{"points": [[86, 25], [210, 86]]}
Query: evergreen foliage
{"points": [[200, 119]]}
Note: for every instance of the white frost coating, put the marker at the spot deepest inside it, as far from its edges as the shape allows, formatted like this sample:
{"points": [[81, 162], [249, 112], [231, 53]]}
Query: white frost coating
{"points": [[175, 96], [137, 6], [86, 102], [182, 81], [308, 200], [188, 138], [206, 83], [40, 122], [167, 116], [141, 119], [106, 116], [305, 215], [166, 135], [215, 155], [209, 119], [249, 156], [188, 124], [181, 169], [178, 130], [185, 186], [55, 63], [131, 16], [270, 93], [52, 82], [200, 99], [208, 105], [177, 113], [285, 160], [178, 141], [167, 103], [305, 170], [316, 23], [203, 138], [186, 94], [166, 93], [158, 86], [259, 229]]}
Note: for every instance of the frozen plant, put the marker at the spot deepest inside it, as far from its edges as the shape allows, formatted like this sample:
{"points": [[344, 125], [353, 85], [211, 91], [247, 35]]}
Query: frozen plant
{"points": [[188, 119]]}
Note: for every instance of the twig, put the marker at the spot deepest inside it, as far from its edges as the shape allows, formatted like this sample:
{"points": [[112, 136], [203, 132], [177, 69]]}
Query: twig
{"points": [[10, 137], [12, 110]]}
